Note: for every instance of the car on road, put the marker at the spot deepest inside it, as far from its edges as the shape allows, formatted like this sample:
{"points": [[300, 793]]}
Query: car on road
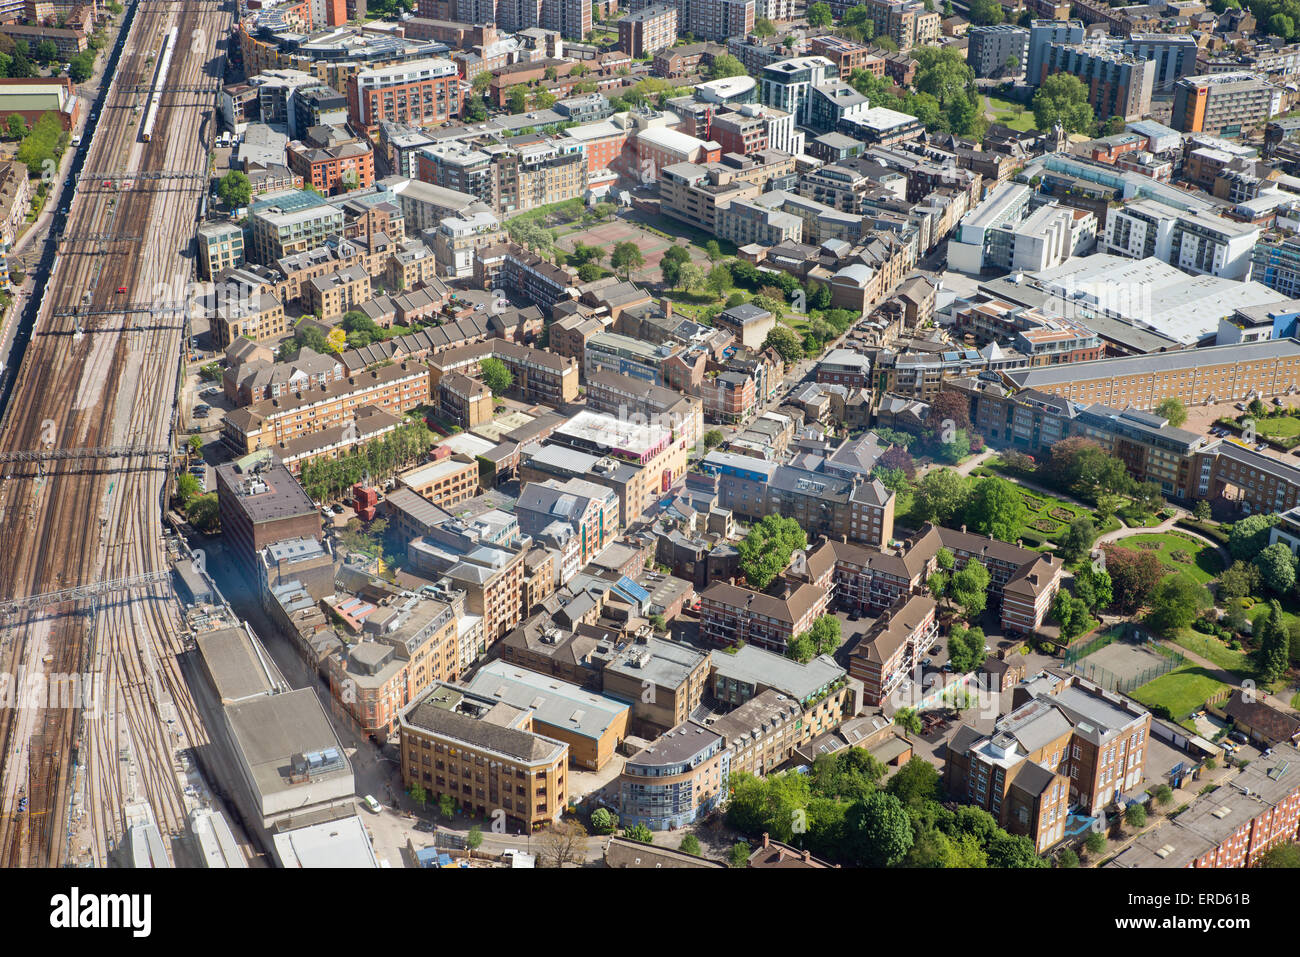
{"points": [[121, 290], [425, 827], [370, 804]]}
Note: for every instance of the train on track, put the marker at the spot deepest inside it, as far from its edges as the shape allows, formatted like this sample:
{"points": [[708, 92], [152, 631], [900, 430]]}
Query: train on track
{"points": [[159, 82]]}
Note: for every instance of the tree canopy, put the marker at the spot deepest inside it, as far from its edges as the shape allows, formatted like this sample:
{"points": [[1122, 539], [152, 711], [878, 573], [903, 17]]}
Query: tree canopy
{"points": [[1176, 601], [996, 508], [496, 376], [235, 189], [766, 550], [1062, 98], [626, 257], [1173, 409], [940, 496], [725, 65]]}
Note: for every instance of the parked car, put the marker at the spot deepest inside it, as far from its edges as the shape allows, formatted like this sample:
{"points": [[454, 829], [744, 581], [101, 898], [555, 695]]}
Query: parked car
{"points": [[1240, 737], [425, 827], [926, 662], [370, 804]]}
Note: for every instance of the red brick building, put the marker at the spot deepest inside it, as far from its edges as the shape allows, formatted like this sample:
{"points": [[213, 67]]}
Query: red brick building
{"points": [[333, 165], [1232, 826], [420, 93], [738, 133], [1067, 743]]}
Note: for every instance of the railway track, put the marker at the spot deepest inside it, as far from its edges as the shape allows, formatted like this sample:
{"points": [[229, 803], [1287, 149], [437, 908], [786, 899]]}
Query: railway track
{"points": [[112, 384]]}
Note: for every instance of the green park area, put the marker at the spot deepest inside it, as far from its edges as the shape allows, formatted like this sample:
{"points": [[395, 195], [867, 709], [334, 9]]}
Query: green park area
{"points": [[1017, 116], [1047, 517], [1278, 426], [1182, 691], [1179, 553]]}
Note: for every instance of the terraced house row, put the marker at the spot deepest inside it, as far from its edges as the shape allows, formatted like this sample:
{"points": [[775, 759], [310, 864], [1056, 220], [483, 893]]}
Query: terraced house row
{"points": [[394, 388]]}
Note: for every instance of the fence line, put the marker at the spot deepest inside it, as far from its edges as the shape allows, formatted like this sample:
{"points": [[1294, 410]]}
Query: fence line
{"points": [[1110, 681]]}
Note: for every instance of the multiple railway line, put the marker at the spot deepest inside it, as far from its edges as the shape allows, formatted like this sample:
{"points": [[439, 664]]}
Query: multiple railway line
{"points": [[99, 375]]}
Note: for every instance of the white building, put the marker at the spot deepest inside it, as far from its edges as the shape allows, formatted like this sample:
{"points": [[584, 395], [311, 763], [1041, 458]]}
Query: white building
{"points": [[1195, 241], [1007, 232], [786, 83]]}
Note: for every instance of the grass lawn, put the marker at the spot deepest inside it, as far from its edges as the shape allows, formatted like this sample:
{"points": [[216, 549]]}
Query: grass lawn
{"points": [[1004, 112], [1181, 691], [1278, 427], [1214, 650], [1198, 559]]}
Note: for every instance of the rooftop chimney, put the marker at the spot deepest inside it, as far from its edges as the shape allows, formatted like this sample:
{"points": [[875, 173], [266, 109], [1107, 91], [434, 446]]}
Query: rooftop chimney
{"points": [[767, 841]]}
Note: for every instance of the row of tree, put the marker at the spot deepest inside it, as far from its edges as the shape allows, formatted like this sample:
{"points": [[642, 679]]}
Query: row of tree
{"points": [[326, 480]]}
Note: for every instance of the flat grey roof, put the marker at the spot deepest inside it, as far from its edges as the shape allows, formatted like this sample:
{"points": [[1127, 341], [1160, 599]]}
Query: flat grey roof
{"points": [[755, 666], [675, 746], [552, 701], [271, 729], [234, 665], [667, 663]]}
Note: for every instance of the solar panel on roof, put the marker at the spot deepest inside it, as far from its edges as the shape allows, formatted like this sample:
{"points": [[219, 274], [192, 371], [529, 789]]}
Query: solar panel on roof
{"points": [[632, 588]]}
